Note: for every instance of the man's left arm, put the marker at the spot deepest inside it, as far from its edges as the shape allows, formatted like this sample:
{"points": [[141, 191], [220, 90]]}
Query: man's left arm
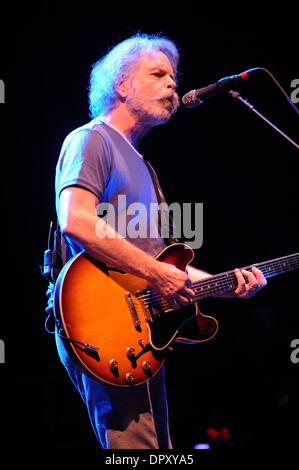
{"points": [[249, 282]]}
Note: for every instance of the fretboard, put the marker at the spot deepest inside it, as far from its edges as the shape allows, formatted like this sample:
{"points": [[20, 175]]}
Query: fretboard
{"points": [[226, 281]]}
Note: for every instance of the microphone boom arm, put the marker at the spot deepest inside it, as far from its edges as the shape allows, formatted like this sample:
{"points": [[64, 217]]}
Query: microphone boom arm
{"points": [[236, 95]]}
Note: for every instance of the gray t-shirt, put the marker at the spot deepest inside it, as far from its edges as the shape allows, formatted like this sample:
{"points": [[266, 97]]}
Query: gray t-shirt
{"points": [[100, 159]]}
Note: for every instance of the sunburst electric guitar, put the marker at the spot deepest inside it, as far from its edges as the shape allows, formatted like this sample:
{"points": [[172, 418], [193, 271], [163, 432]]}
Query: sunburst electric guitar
{"points": [[119, 330]]}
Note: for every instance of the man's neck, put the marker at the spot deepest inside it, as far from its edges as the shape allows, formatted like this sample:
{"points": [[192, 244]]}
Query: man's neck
{"points": [[127, 124]]}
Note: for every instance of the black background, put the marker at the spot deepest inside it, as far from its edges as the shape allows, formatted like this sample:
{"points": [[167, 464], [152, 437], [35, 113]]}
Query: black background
{"points": [[219, 154]]}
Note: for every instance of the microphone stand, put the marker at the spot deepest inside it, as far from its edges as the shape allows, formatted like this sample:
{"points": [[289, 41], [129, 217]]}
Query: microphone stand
{"points": [[236, 95]]}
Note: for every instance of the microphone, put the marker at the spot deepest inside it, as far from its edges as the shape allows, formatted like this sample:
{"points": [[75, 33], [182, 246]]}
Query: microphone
{"points": [[196, 97]]}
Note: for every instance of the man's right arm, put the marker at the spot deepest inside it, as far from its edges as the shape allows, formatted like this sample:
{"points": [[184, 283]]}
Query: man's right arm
{"points": [[78, 220]]}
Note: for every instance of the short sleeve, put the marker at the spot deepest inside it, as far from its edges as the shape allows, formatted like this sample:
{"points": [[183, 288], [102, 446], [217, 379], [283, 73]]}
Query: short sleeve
{"points": [[84, 161]]}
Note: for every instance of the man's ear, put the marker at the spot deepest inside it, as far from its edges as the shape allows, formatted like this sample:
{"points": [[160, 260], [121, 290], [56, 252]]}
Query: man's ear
{"points": [[122, 87]]}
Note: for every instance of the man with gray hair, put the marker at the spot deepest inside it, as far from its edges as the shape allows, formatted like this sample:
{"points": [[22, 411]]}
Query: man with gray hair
{"points": [[132, 89]]}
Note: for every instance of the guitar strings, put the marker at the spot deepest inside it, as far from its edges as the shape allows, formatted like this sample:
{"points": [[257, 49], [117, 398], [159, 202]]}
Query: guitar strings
{"points": [[153, 298], [225, 281]]}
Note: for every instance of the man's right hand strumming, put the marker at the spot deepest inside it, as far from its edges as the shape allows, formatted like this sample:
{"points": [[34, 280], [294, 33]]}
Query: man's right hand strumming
{"points": [[173, 284]]}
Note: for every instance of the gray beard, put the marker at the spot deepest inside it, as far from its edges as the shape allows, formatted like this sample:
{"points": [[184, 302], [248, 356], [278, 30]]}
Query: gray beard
{"points": [[157, 115]]}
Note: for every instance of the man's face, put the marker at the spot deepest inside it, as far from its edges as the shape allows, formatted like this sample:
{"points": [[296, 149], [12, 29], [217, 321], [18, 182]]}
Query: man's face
{"points": [[151, 96]]}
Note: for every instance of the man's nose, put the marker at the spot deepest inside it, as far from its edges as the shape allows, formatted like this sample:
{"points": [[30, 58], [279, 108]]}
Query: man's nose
{"points": [[171, 82]]}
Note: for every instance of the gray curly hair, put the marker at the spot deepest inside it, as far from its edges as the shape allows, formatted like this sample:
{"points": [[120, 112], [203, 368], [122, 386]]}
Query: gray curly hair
{"points": [[119, 61]]}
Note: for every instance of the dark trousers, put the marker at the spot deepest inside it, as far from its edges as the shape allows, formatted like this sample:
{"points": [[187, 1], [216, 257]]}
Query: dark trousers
{"points": [[123, 418]]}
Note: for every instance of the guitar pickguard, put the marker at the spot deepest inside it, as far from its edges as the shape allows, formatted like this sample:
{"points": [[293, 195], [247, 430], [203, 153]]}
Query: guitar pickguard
{"points": [[165, 326]]}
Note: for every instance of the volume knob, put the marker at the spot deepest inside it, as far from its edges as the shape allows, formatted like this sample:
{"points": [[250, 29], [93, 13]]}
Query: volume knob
{"points": [[113, 364], [130, 379], [131, 353], [146, 366]]}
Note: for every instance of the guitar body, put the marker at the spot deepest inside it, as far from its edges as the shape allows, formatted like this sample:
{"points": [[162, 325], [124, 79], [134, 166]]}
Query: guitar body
{"points": [[108, 329]]}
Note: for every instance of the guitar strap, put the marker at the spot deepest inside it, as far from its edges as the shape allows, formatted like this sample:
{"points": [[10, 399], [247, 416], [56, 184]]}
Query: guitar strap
{"points": [[163, 220]]}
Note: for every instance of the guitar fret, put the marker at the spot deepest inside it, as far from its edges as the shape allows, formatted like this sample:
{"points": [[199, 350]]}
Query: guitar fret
{"points": [[227, 281], [220, 283], [280, 265]]}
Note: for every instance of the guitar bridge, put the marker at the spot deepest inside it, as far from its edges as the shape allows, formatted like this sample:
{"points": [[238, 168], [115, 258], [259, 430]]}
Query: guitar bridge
{"points": [[133, 311]]}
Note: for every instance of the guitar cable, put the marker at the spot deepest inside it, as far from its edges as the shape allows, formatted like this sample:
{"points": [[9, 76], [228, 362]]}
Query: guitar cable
{"points": [[47, 272]]}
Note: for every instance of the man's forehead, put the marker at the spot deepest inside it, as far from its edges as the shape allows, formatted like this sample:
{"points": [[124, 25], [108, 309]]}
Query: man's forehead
{"points": [[154, 59]]}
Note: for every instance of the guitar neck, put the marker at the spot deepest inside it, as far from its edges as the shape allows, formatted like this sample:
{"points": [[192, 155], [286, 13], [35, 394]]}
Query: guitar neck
{"points": [[220, 283]]}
